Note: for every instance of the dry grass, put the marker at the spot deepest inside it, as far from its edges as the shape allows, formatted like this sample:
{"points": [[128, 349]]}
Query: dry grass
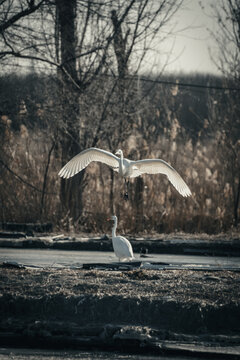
{"points": [[22, 181], [200, 287], [208, 210]]}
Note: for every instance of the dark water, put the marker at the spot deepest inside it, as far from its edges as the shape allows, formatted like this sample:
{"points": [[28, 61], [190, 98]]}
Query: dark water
{"points": [[38, 354], [67, 258]]}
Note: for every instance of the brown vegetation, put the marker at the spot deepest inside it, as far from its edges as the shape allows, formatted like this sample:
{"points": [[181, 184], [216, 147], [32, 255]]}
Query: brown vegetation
{"points": [[30, 161]]}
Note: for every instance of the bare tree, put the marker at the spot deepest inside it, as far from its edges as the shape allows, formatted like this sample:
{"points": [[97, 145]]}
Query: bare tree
{"points": [[225, 107], [227, 15], [96, 48], [22, 35], [66, 25]]}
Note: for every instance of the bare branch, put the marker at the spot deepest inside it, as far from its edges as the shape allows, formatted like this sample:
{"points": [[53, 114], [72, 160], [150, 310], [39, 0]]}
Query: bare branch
{"points": [[31, 9]]}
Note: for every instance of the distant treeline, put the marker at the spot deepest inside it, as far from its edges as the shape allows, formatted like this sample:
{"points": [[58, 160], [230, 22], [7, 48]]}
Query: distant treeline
{"points": [[25, 98]]}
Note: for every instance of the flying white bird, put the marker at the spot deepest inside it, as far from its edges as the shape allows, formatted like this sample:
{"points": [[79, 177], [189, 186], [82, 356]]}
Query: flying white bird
{"points": [[121, 246], [126, 168]]}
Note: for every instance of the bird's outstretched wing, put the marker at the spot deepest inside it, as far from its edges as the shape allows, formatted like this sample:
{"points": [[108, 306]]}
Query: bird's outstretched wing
{"points": [[84, 158], [158, 166]]}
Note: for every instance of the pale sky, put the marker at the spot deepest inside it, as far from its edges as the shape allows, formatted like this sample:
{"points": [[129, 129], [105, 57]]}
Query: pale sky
{"points": [[191, 47], [190, 42]]}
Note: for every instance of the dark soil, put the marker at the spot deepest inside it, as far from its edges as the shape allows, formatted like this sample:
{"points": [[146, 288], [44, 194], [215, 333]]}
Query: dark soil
{"points": [[176, 300]]}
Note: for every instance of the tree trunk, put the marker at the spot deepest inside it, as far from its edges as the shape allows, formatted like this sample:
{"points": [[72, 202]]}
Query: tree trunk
{"points": [[119, 42], [111, 199], [236, 203], [121, 53], [138, 202], [71, 192], [119, 46]]}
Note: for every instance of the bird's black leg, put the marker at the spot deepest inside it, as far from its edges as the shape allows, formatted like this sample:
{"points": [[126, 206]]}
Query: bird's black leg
{"points": [[126, 188]]}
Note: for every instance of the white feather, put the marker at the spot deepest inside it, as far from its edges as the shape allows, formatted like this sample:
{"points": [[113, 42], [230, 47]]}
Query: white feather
{"points": [[125, 167], [83, 159], [158, 166], [121, 246]]}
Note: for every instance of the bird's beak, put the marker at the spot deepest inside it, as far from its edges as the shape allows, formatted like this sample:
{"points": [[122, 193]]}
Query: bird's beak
{"points": [[117, 152]]}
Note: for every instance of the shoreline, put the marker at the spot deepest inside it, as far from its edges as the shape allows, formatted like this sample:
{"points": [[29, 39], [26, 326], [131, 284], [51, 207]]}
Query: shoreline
{"points": [[187, 244]]}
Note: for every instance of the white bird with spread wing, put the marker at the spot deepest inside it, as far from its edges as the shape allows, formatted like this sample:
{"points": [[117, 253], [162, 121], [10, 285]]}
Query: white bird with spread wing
{"points": [[126, 168], [121, 246]]}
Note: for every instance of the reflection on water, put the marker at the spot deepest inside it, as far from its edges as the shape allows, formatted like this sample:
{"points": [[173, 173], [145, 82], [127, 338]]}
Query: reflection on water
{"points": [[38, 354]]}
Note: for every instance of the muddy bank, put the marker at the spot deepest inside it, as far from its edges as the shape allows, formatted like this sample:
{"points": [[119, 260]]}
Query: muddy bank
{"points": [[201, 244], [86, 307]]}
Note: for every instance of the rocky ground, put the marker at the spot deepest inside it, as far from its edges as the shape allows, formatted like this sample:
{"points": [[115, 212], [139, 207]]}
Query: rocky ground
{"points": [[135, 308]]}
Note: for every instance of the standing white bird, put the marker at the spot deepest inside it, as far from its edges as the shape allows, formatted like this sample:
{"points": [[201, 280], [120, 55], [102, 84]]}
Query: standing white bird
{"points": [[121, 246], [126, 168]]}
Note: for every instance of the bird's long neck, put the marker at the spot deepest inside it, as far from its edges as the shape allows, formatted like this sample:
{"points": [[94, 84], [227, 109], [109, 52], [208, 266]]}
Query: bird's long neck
{"points": [[121, 163], [114, 228]]}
